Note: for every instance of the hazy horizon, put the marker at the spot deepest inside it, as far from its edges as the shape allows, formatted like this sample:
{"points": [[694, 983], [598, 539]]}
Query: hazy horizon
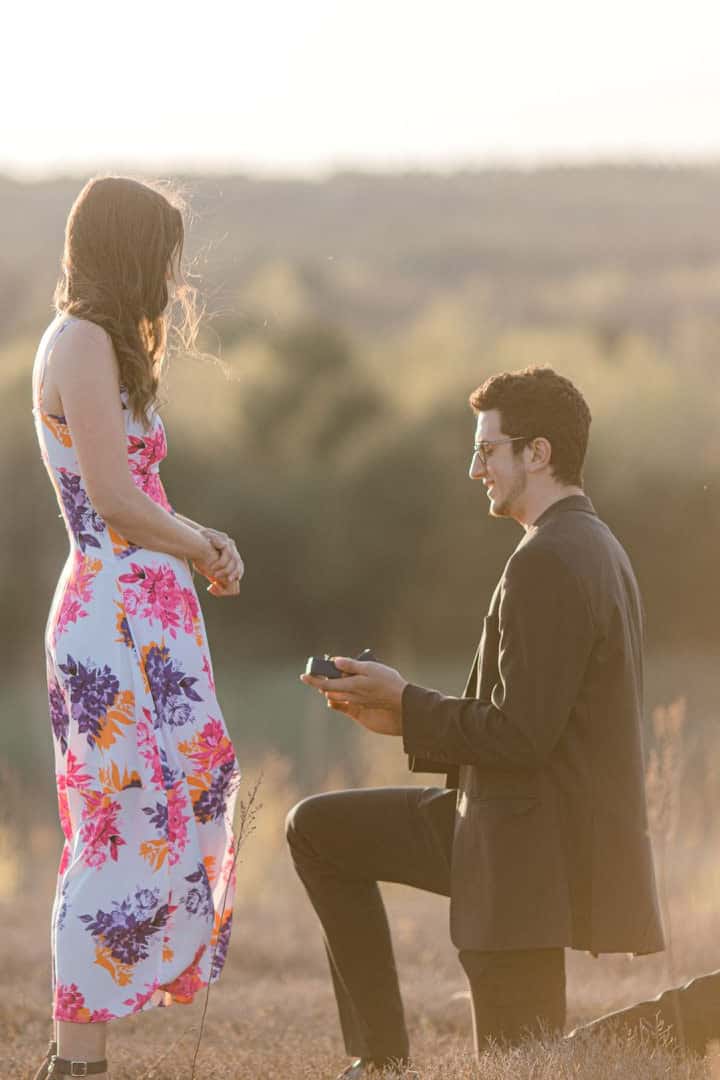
{"points": [[200, 170]]}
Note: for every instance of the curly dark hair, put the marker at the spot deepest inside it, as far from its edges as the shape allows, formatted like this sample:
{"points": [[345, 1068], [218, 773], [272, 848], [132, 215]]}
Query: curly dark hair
{"points": [[538, 402]]}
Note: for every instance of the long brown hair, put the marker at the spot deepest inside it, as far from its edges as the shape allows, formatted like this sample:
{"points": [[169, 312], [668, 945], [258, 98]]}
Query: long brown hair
{"points": [[122, 238]]}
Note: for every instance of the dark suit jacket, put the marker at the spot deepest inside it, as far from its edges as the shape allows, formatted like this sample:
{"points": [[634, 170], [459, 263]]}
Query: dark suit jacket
{"points": [[551, 840]]}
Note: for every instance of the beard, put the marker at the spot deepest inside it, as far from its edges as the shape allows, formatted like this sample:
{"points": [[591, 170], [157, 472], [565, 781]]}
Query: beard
{"points": [[505, 506]]}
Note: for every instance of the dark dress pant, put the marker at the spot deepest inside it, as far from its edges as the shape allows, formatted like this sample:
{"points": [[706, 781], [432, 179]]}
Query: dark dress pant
{"points": [[344, 843], [691, 1013]]}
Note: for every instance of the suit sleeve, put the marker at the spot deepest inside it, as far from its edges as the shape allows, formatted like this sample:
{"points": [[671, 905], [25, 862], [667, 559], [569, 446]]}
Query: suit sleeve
{"points": [[546, 639]]}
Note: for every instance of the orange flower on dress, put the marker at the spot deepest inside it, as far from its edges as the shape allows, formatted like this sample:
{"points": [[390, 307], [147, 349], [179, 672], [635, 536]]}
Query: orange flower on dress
{"points": [[58, 426]]}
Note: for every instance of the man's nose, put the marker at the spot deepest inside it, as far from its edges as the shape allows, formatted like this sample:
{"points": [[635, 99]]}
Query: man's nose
{"points": [[477, 469]]}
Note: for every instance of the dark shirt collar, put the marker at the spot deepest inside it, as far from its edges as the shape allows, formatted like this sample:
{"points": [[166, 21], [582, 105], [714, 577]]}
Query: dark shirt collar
{"points": [[570, 502]]}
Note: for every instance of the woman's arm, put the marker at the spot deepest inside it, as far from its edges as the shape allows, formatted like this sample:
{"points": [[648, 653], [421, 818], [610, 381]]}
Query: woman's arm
{"points": [[84, 371], [188, 521]]}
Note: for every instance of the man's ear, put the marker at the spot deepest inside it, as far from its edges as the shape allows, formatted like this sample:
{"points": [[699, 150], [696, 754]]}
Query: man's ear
{"points": [[540, 454]]}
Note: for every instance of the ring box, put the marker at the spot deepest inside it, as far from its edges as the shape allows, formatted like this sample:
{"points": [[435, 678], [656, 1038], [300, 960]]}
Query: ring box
{"points": [[324, 667]]}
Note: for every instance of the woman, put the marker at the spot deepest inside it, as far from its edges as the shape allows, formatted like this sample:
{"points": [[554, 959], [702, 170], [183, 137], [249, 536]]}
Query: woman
{"points": [[146, 773]]}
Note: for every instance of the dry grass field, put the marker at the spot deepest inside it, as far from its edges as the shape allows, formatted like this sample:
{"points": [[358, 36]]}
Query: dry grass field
{"points": [[272, 1014]]}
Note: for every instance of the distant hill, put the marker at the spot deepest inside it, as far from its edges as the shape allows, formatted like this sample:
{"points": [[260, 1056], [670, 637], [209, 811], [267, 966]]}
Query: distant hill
{"points": [[369, 251]]}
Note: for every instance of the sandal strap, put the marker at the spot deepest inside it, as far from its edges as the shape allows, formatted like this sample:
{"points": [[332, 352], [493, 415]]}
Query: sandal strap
{"points": [[42, 1071], [75, 1067]]}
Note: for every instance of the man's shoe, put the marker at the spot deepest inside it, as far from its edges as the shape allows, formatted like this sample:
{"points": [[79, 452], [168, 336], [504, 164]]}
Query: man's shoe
{"points": [[373, 1067], [357, 1070]]}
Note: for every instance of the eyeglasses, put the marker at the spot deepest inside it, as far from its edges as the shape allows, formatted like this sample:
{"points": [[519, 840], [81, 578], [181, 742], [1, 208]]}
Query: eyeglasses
{"points": [[485, 448]]}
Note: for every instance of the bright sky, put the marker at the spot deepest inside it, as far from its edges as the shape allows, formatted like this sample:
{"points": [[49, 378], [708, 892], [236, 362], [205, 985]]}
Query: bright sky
{"points": [[306, 86]]}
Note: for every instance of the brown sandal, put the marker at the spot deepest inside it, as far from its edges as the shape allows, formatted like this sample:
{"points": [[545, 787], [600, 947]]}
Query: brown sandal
{"points": [[65, 1067], [42, 1072]]}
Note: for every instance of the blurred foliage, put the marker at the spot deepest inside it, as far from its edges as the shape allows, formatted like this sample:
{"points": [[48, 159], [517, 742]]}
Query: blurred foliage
{"points": [[353, 316], [350, 319]]}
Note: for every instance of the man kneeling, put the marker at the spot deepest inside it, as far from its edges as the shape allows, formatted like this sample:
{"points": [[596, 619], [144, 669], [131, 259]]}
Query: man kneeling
{"points": [[539, 835]]}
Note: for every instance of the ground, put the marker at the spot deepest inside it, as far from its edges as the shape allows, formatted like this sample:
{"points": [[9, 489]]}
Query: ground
{"points": [[272, 1014]]}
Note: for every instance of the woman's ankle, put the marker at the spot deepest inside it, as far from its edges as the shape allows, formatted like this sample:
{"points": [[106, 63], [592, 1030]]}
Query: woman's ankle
{"points": [[81, 1042]]}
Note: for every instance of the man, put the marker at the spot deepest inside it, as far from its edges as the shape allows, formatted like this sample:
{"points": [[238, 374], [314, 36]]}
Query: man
{"points": [[540, 835]]}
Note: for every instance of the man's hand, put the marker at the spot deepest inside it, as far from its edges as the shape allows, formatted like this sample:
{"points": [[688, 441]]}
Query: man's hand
{"points": [[369, 693], [381, 721]]}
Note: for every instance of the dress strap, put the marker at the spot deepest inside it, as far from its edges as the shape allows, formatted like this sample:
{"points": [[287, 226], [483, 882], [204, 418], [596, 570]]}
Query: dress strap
{"points": [[45, 351]]}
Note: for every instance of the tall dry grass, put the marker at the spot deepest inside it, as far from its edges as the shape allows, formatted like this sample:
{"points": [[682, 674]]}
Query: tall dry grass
{"points": [[273, 1016]]}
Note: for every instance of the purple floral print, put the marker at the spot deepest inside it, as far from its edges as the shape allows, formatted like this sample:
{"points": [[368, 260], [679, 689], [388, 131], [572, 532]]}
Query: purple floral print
{"points": [[58, 714], [221, 947], [130, 924], [169, 685], [210, 804], [92, 692], [169, 776], [81, 517], [199, 900], [158, 815], [62, 910]]}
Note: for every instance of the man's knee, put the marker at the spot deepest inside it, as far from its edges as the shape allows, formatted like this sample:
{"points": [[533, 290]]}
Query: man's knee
{"points": [[302, 821]]}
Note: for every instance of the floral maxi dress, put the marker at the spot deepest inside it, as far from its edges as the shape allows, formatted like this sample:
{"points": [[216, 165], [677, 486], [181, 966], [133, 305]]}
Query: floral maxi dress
{"points": [[146, 773]]}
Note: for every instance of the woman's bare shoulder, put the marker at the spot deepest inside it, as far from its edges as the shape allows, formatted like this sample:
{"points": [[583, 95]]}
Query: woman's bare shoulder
{"points": [[82, 360], [74, 334], [82, 342]]}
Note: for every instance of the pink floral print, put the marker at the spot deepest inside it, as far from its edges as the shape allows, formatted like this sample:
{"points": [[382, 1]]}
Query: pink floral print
{"points": [[78, 592], [159, 596], [144, 454], [146, 773]]}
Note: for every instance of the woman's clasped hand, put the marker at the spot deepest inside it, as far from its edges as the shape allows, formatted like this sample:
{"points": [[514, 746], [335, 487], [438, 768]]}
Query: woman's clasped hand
{"points": [[224, 569]]}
